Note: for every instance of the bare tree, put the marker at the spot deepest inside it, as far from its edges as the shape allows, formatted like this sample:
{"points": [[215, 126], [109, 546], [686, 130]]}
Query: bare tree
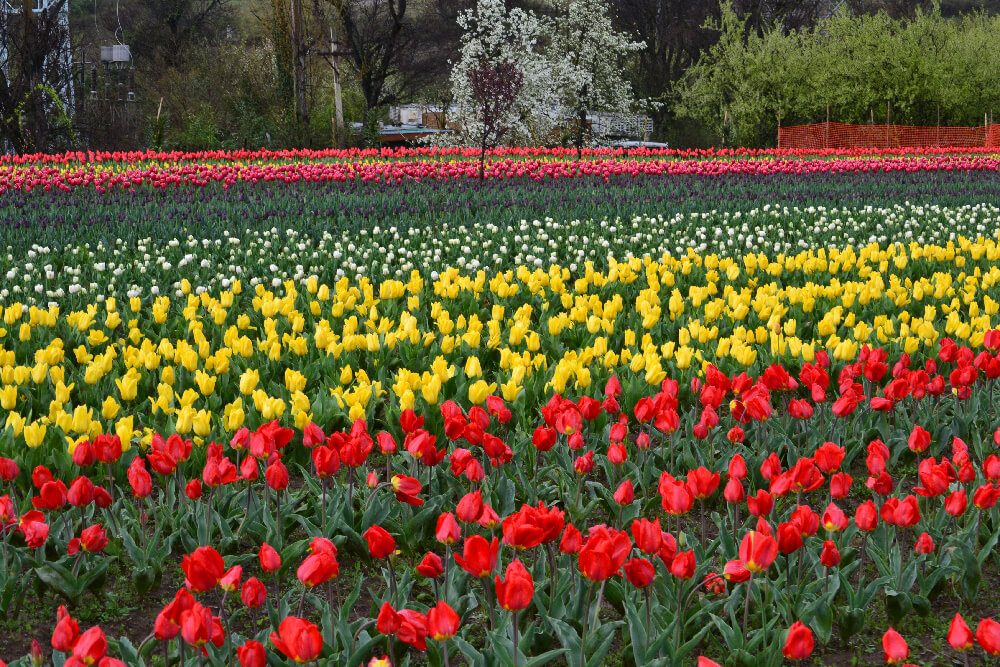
{"points": [[495, 88], [376, 33], [35, 79]]}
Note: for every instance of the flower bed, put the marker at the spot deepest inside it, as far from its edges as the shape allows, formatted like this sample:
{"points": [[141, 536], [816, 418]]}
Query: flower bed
{"points": [[751, 431]]}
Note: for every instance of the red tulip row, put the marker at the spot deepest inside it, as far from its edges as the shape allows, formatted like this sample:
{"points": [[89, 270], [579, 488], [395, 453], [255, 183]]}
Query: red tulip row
{"points": [[539, 152], [593, 443], [94, 175]]}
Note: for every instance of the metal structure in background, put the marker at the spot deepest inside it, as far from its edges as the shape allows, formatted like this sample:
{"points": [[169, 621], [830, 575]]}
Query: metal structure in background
{"points": [[106, 110]]}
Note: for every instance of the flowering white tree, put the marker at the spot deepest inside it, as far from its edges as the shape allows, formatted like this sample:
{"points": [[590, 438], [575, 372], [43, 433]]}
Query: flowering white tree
{"points": [[496, 36], [569, 62], [588, 53]]}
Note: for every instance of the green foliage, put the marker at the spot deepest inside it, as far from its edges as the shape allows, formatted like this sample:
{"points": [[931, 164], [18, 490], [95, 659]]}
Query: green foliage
{"points": [[855, 64]]}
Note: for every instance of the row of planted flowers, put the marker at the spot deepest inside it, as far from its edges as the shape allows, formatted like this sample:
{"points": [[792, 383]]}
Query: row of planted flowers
{"points": [[103, 178], [727, 506], [75, 275], [204, 364], [457, 153]]}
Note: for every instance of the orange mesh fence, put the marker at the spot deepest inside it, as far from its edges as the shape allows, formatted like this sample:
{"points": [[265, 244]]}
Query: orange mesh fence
{"points": [[845, 136]]}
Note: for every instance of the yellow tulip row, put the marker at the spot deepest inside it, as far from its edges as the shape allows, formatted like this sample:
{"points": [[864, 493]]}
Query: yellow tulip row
{"points": [[206, 363]]}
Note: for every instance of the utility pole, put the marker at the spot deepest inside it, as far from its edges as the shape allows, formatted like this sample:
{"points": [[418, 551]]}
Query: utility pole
{"points": [[299, 66], [333, 57], [338, 102]]}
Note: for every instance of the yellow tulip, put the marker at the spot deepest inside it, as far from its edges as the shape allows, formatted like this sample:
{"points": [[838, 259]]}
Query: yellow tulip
{"points": [[184, 420], [479, 390], [202, 423], [34, 434], [110, 407], [82, 417], [249, 380], [8, 397], [128, 385]]}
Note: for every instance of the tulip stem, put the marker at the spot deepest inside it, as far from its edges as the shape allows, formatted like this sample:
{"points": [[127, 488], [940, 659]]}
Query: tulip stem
{"points": [[649, 627], [586, 621], [489, 603], [392, 579], [277, 502], [447, 558], [679, 620], [746, 605], [323, 503], [208, 515], [392, 650], [514, 646]]}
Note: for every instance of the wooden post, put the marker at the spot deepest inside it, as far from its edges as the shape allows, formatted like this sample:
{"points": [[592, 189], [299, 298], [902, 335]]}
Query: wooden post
{"points": [[937, 142], [827, 125], [888, 111], [338, 118]]}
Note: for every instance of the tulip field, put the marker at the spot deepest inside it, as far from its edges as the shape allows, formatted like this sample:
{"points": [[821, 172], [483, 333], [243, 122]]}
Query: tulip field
{"points": [[368, 408]]}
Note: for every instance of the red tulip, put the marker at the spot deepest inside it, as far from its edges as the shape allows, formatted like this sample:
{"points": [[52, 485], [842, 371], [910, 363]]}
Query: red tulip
{"points": [[470, 507], [252, 654], [388, 620], [758, 551], [799, 643], [270, 561], [298, 639], [988, 636], [959, 635], [894, 647], [65, 633], [828, 457], [733, 493], [956, 503], [675, 496], [479, 556], [521, 529], [840, 485], [735, 572], [326, 461], [406, 489], [604, 553], [193, 489], [91, 646], [254, 593], [442, 622], [789, 538], [639, 572], [834, 519], [317, 568], [277, 475], [107, 448], [925, 544], [647, 535], [866, 516], [683, 565], [625, 493], [430, 566], [380, 543], [572, 540], [93, 539], [196, 625], [919, 439], [702, 483], [203, 569], [829, 557], [760, 504], [514, 593]]}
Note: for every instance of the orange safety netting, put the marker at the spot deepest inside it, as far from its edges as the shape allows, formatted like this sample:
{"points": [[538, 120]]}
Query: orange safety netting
{"points": [[845, 136]]}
